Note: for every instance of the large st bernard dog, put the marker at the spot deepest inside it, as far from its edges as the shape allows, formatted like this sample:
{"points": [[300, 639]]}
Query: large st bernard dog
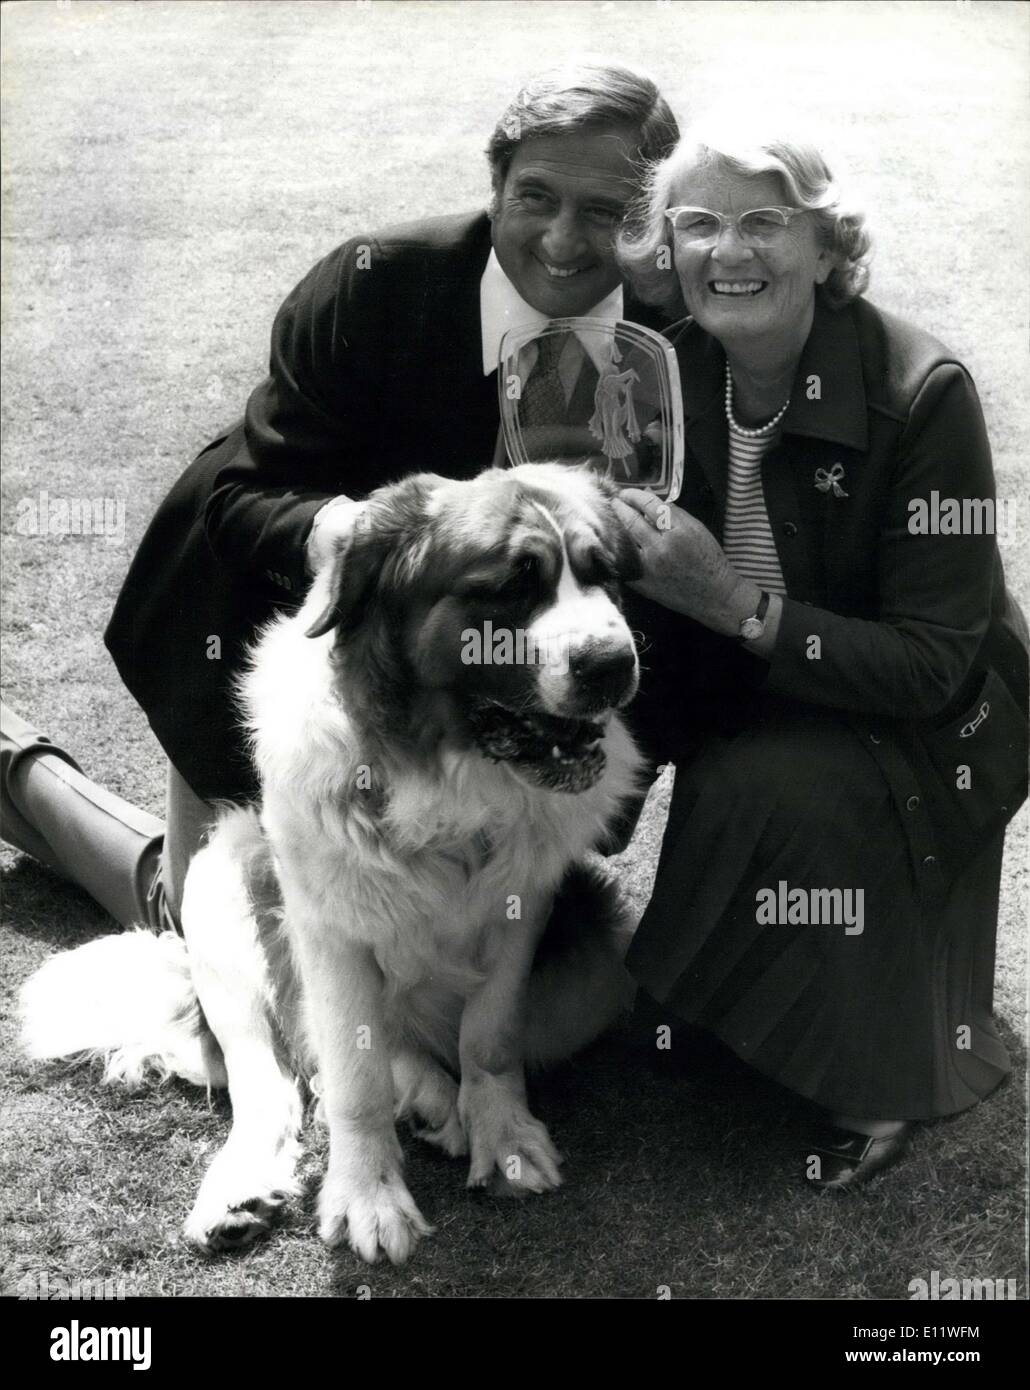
{"points": [[438, 747]]}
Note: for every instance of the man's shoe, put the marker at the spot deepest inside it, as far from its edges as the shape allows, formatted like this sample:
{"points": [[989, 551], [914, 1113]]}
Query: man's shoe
{"points": [[843, 1158]]}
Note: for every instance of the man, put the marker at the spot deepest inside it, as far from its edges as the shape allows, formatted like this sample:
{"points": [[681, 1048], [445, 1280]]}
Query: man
{"points": [[382, 363]]}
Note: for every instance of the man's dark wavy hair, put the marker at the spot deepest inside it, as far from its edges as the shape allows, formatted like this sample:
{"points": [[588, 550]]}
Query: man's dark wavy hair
{"points": [[584, 96]]}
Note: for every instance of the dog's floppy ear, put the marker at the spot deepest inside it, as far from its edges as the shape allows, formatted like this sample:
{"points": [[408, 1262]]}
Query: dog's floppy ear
{"points": [[354, 570], [623, 549], [392, 516]]}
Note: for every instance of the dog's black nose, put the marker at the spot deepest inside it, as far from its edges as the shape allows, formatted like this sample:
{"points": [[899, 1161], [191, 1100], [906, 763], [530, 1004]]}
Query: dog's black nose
{"points": [[604, 672]]}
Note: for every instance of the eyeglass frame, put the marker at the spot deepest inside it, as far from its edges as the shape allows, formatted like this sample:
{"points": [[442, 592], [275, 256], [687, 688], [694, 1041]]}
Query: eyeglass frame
{"points": [[789, 214]]}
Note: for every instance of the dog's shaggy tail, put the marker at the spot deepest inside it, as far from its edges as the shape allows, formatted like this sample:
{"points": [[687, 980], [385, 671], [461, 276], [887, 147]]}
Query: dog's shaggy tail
{"points": [[126, 999], [579, 985]]}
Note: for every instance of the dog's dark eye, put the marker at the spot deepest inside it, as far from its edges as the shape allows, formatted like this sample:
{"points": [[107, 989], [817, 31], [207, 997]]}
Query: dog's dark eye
{"points": [[505, 587], [522, 580], [595, 568]]}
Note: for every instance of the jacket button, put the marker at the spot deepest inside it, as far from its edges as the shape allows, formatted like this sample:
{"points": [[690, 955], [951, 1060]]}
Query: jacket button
{"points": [[875, 738], [912, 804], [929, 861], [789, 529]]}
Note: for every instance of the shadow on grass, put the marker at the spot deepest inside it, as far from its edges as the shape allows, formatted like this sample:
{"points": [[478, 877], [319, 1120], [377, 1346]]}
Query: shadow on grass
{"points": [[39, 905]]}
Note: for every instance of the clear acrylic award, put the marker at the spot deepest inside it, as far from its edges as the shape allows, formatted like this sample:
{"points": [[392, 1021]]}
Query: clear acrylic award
{"points": [[595, 392]]}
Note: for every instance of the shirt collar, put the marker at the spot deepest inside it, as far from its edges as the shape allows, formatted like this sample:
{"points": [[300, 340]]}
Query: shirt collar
{"points": [[502, 307], [829, 397]]}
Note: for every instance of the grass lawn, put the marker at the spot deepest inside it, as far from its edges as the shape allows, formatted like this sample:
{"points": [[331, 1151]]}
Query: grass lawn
{"points": [[170, 171]]}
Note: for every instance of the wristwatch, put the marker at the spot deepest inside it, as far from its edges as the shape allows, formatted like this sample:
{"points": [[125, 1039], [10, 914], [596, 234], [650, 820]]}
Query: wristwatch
{"points": [[752, 628]]}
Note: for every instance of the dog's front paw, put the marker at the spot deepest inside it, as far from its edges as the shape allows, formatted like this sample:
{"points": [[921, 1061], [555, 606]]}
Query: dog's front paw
{"points": [[378, 1218], [239, 1202], [510, 1150]]}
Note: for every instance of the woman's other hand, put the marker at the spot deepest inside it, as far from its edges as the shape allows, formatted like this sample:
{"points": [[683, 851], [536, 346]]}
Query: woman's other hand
{"points": [[685, 567]]}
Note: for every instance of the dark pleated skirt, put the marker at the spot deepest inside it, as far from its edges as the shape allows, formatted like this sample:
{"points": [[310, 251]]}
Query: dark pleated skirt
{"points": [[894, 1022]]}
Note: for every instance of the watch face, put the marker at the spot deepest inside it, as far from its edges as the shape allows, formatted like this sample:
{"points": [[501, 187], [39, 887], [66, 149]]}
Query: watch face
{"points": [[751, 628]]}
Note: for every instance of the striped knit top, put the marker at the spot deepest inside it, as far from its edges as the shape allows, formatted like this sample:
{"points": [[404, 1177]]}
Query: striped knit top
{"points": [[748, 538]]}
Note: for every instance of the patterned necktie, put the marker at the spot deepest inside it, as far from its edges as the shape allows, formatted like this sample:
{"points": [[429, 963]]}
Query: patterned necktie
{"points": [[543, 399]]}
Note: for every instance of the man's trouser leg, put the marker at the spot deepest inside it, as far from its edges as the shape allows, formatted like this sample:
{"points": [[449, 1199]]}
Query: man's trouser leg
{"points": [[188, 820]]}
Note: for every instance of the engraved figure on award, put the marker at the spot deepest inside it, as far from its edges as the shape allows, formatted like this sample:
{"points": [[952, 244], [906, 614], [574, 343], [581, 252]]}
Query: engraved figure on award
{"points": [[614, 421]]}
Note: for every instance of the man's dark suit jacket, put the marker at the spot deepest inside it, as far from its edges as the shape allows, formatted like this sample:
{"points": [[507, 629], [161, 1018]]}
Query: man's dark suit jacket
{"points": [[375, 372]]}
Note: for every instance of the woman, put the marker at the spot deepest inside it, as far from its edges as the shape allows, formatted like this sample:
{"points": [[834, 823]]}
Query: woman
{"points": [[840, 683]]}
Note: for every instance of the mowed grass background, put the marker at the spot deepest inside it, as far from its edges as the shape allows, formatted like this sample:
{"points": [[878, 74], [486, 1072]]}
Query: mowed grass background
{"points": [[170, 172]]}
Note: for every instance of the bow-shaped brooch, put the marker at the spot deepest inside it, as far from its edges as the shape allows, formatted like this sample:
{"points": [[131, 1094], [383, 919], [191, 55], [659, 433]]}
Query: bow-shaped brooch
{"points": [[830, 482]]}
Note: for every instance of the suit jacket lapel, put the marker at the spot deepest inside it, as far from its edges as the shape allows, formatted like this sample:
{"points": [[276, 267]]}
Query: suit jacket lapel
{"points": [[456, 296], [826, 428], [829, 398], [464, 439]]}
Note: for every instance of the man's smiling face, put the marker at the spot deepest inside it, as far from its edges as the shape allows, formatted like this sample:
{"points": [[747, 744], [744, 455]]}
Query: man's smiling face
{"points": [[556, 216]]}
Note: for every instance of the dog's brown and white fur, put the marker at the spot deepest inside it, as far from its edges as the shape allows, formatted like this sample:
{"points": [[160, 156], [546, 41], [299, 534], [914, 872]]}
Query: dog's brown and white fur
{"points": [[387, 925]]}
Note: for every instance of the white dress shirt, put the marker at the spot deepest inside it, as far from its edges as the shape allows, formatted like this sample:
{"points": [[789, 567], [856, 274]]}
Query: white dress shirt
{"points": [[502, 307]]}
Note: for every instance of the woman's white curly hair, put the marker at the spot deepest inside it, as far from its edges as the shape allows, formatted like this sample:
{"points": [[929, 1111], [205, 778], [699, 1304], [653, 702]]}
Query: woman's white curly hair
{"points": [[644, 245]]}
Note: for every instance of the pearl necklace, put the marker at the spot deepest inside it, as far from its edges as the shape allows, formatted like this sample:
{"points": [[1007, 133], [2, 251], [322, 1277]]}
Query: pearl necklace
{"points": [[742, 429]]}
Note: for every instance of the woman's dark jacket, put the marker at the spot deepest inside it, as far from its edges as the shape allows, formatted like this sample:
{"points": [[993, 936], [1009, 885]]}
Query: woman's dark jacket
{"points": [[911, 637]]}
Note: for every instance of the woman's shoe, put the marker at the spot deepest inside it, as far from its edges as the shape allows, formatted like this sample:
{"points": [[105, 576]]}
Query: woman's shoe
{"points": [[843, 1158]]}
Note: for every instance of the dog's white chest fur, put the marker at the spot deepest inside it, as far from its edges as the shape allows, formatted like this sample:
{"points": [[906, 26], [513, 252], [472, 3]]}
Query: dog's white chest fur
{"points": [[429, 868]]}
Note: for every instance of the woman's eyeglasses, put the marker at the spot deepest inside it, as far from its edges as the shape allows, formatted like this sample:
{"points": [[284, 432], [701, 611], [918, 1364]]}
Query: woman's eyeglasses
{"points": [[757, 228]]}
